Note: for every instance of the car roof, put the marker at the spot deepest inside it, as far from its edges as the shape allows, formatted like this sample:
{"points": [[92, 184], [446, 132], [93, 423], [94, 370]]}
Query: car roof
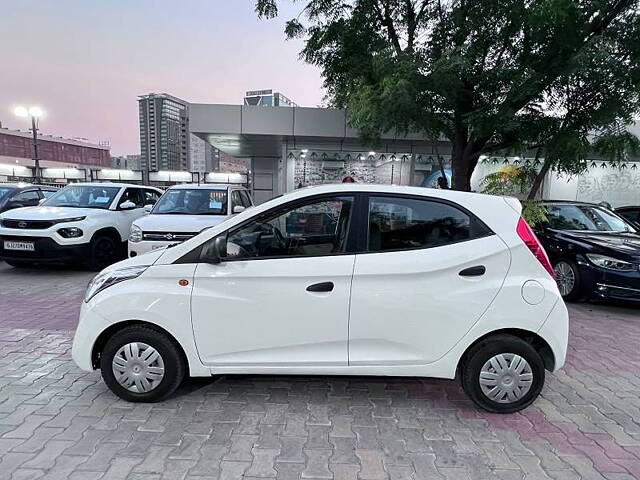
{"points": [[109, 184], [568, 202], [16, 185], [628, 207], [203, 186]]}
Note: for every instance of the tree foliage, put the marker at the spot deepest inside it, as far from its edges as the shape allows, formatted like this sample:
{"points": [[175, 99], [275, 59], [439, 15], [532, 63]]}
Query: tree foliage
{"points": [[489, 75]]}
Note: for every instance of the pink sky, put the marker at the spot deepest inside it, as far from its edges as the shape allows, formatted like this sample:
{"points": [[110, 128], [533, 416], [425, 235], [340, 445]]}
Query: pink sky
{"points": [[85, 63]]}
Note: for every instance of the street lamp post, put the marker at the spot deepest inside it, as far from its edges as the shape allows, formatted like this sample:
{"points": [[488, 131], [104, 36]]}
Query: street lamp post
{"points": [[35, 113]]}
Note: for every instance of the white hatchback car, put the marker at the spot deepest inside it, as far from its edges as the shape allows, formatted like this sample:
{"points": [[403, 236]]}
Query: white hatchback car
{"points": [[183, 211], [337, 280]]}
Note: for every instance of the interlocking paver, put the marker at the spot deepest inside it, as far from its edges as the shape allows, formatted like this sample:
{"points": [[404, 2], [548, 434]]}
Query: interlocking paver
{"points": [[57, 422]]}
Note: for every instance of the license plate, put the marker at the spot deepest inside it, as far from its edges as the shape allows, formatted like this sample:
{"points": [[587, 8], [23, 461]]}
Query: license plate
{"points": [[24, 246]]}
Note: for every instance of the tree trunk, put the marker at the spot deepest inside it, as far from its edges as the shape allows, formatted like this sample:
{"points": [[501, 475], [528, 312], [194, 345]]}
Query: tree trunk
{"points": [[546, 166], [462, 166]]}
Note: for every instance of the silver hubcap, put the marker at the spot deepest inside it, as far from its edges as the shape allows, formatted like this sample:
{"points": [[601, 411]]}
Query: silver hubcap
{"points": [[138, 367], [566, 278], [506, 378]]}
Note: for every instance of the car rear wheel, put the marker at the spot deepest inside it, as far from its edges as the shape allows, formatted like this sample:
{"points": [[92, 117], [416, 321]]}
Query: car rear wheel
{"points": [[568, 279], [140, 364], [503, 374]]}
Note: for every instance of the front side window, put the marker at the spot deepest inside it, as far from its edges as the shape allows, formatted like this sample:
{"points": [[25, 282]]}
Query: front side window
{"points": [[83, 196], [30, 197], [133, 195], [150, 197], [397, 223], [246, 199], [586, 218], [236, 199], [183, 201], [316, 228], [47, 193]]}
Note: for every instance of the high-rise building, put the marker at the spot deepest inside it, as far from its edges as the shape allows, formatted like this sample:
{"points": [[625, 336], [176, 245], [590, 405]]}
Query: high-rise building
{"points": [[164, 132], [267, 98], [203, 156]]}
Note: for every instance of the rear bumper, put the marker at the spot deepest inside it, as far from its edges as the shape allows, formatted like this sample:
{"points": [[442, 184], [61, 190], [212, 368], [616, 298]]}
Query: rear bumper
{"points": [[555, 331], [46, 250], [598, 283]]}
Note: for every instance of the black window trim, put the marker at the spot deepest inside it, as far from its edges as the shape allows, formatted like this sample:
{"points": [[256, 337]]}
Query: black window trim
{"points": [[364, 220], [195, 255]]}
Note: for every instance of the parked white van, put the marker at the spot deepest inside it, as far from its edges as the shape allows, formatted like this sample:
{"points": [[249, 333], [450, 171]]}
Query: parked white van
{"points": [[183, 212]]}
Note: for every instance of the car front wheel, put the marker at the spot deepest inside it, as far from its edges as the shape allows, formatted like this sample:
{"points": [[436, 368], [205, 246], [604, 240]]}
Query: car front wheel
{"points": [[503, 374], [141, 364]]}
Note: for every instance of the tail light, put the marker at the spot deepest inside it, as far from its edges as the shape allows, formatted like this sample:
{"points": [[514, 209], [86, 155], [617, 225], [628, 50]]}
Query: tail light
{"points": [[530, 240]]}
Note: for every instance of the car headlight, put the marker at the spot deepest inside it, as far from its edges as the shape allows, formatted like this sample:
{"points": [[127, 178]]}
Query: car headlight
{"points": [[106, 279], [136, 234], [70, 232], [610, 263]]}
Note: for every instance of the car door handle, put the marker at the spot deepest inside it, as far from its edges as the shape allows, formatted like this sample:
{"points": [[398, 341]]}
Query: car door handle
{"points": [[320, 287], [476, 271]]}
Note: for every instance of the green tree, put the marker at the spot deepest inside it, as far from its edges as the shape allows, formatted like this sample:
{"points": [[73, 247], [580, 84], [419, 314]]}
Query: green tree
{"points": [[488, 75]]}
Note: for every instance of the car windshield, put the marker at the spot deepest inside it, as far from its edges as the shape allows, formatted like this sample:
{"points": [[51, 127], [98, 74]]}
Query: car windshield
{"points": [[184, 201], [4, 191], [585, 218], [83, 196]]}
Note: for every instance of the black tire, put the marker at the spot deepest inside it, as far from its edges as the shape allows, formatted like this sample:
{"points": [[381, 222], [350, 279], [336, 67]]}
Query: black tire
{"points": [[170, 353], [103, 251], [482, 353], [18, 264], [575, 294]]}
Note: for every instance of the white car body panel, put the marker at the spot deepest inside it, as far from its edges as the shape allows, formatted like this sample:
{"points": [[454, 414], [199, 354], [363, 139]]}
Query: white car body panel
{"points": [[269, 317], [255, 316]]}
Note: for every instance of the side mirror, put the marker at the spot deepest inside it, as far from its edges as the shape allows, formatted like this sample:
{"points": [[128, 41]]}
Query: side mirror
{"points": [[128, 205], [238, 209], [148, 208], [217, 251]]}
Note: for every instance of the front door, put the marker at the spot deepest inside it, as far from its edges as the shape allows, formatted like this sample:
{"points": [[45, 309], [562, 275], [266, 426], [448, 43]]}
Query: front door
{"points": [[281, 295], [430, 271], [125, 217]]}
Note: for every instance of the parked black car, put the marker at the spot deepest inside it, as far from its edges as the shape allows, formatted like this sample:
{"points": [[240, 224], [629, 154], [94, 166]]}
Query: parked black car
{"points": [[16, 195], [632, 214], [595, 253]]}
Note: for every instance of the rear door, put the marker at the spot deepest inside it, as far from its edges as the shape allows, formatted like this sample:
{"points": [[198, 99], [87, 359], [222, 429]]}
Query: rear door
{"points": [[429, 272]]}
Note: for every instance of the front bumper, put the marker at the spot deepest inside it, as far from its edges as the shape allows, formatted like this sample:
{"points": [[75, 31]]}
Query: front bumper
{"points": [[85, 337], [46, 250], [600, 283], [146, 246]]}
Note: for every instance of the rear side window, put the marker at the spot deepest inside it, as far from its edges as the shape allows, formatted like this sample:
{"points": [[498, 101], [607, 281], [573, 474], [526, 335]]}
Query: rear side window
{"points": [[400, 223]]}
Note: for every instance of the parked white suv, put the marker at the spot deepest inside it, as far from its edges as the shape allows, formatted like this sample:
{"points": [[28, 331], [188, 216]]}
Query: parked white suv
{"points": [[337, 280], [86, 222], [183, 211]]}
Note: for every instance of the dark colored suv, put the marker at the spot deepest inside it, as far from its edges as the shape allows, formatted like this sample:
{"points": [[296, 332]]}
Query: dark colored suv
{"points": [[16, 195], [595, 253]]}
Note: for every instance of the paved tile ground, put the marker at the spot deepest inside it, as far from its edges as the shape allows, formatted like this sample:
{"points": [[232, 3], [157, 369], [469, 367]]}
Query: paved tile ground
{"points": [[59, 422]]}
